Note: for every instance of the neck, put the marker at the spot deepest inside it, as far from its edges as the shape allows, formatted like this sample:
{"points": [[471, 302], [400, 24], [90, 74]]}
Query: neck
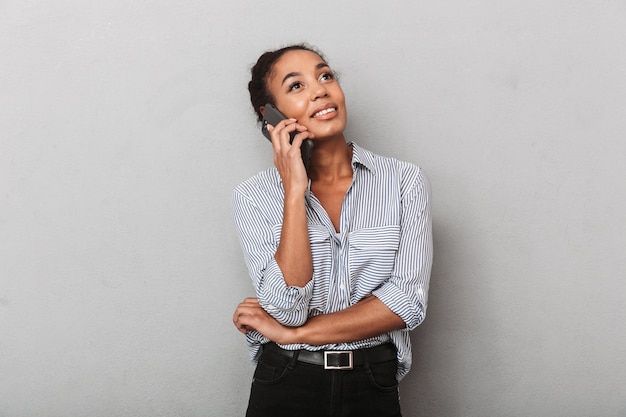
{"points": [[331, 160]]}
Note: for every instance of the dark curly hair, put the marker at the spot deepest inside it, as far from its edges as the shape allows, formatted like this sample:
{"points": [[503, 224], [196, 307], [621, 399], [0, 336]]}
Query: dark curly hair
{"points": [[257, 87]]}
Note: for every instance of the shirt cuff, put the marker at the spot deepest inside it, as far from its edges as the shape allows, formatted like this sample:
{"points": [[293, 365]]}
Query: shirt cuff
{"points": [[411, 311], [287, 304]]}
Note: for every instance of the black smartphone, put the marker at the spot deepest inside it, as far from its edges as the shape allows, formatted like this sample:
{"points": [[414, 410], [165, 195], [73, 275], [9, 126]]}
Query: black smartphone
{"points": [[272, 116]]}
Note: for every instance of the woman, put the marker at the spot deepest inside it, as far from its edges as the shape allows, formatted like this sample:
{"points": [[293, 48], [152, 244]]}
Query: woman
{"points": [[340, 258]]}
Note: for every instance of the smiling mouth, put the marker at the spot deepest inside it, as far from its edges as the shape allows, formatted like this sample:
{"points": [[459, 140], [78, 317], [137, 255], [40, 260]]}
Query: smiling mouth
{"points": [[324, 112]]}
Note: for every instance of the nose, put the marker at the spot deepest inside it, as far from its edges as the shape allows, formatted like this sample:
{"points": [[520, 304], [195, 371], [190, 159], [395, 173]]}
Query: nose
{"points": [[318, 92]]}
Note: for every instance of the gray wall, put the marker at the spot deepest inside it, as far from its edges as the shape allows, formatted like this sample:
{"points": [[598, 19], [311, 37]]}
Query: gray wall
{"points": [[125, 125]]}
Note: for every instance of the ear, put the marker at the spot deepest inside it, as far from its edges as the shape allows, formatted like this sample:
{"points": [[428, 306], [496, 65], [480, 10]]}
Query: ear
{"points": [[262, 110]]}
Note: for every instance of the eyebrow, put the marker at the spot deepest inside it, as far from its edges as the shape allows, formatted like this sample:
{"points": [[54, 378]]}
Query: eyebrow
{"points": [[295, 74]]}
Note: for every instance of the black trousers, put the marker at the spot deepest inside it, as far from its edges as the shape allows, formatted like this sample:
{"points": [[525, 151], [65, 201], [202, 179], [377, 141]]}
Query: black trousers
{"points": [[286, 387]]}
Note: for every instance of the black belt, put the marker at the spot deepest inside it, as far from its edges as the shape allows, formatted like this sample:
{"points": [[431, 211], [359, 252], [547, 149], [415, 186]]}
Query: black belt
{"points": [[338, 359]]}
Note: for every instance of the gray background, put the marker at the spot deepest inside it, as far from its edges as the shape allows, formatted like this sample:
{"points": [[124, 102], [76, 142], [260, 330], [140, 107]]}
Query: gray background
{"points": [[125, 126]]}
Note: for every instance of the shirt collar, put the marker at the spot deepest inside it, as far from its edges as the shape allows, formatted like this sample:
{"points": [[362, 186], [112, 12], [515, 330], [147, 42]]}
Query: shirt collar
{"points": [[362, 157]]}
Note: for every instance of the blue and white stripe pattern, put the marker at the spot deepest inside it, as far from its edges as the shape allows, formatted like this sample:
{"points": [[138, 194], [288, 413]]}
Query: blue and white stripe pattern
{"points": [[384, 248]]}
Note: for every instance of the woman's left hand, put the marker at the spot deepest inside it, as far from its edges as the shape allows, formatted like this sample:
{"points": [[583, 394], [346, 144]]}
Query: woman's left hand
{"points": [[249, 315]]}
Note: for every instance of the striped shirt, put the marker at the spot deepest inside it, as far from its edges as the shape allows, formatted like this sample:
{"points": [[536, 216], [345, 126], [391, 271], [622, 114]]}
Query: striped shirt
{"points": [[383, 248]]}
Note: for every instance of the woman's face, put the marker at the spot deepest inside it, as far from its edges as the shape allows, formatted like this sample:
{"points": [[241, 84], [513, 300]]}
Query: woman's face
{"points": [[304, 88]]}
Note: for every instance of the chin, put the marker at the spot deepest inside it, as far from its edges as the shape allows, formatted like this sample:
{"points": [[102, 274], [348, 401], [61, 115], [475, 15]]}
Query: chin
{"points": [[330, 131]]}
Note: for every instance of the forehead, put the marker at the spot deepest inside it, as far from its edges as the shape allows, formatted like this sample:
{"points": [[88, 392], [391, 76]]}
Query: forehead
{"points": [[295, 61]]}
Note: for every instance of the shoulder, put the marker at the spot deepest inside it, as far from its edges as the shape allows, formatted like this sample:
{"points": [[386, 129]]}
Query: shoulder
{"points": [[408, 174], [260, 195], [266, 181]]}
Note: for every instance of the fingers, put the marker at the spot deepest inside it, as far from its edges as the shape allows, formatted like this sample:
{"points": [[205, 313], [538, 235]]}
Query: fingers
{"points": [[251, 301], [250, 315], [247, 312], [288, 156], [300, 137], [280, 133]]}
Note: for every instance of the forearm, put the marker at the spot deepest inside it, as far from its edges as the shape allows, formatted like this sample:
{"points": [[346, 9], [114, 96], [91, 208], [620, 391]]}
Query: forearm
{"points": [[368, 318], [293, 255]]}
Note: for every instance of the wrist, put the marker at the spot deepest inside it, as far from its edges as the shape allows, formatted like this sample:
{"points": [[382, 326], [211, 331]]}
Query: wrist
{"points": [[295, 196], [296, 335], [287, 336]]}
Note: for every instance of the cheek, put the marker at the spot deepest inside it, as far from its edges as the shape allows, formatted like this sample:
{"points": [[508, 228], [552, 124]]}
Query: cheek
{"points": [[292, 108], [338, 94], [300, 108]]}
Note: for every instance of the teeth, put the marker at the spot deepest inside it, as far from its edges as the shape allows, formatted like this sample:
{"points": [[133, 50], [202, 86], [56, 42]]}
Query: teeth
{"points": [[323, 112]]}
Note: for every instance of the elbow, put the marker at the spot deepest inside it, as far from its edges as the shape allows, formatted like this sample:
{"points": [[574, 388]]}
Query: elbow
{"points": [[288, 305], [416, 317], [290, 315]]}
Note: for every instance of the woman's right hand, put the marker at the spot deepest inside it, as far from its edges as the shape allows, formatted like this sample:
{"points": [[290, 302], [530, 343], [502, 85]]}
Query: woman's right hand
{"points": [[293, 254], [288, 157]]}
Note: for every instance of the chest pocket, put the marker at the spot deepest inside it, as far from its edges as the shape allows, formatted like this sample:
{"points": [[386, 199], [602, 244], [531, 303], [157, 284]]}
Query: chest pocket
{"points": [[372, 255]]}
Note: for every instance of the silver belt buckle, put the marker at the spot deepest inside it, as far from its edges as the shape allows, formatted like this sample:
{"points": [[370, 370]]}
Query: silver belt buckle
{"points": [[341, 355]]}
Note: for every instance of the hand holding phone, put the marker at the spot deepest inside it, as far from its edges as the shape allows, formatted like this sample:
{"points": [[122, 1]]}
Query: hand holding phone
{"points": [[272, 116]]}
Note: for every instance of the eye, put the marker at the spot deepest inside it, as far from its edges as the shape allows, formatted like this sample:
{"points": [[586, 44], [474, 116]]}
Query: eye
{"points": [[295, 86], [327, 76]]}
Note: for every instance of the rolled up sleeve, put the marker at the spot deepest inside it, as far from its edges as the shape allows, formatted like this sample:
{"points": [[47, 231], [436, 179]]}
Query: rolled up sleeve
{"points": [[406, 291], [259, 235]]}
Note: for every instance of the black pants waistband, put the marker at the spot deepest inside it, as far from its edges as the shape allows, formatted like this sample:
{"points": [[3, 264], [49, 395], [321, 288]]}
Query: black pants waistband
{"points": [[333, 359]]}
